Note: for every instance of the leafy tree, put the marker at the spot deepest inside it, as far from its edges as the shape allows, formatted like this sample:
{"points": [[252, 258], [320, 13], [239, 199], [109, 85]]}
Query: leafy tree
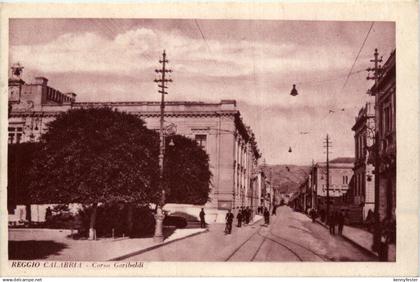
{"points": [[20, 157], [96, 155], [186, 172]]}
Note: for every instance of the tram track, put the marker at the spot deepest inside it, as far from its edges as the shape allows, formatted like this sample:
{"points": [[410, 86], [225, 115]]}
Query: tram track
{"points": [[301, 246], [264, 239], [241, 245], [297, 249], [278, 243]]}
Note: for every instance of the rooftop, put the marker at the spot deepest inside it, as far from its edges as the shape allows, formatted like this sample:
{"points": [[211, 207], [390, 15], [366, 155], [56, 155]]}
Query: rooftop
{"points": [[343, 160]]}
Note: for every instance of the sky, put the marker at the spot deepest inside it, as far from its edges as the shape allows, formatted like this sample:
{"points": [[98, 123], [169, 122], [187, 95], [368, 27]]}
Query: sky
{"points": [[255, 62]]}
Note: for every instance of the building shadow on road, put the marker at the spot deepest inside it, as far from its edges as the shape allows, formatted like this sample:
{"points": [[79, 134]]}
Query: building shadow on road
{"points": [[29, 250]]}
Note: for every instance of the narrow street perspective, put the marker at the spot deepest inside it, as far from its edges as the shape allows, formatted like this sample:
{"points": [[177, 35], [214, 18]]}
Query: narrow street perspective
{"points": [[291, 236]]}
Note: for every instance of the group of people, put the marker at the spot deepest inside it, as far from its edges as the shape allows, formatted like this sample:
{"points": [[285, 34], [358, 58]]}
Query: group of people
{"points": [[243, 216], [336, 218], [266, 213]]}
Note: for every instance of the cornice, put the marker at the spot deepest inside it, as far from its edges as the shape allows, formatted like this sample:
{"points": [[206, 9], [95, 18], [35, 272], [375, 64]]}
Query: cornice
{"points": [[146, 103], [150, 114]]}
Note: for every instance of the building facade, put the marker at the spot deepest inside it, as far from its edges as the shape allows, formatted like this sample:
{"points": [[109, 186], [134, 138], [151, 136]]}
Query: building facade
{"points": [[386, 128], [384, 90], [363, 188], [303, 201], [264, 190], [340, 173], [217, 127]]}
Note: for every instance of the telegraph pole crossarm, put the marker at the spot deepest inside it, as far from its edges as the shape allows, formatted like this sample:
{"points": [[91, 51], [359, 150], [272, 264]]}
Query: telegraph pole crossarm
{"points": [[377, 71]]}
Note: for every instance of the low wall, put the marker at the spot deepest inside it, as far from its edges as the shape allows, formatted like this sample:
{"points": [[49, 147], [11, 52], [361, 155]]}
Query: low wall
{"points": [[192, 212]]}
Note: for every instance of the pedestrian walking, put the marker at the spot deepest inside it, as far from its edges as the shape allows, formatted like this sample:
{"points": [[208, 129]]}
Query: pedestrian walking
{"points": [[332, 222], [313, 214], [229, 221], [247, 215], [340, 222], [202, 218], [266, 216], [274, 209], [239, 218]]}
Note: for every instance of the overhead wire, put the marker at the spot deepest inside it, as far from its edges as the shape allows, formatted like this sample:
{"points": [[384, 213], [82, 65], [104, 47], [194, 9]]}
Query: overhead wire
{"points": [[207, 45], [350, 73], [358, 54], [334, 78]]}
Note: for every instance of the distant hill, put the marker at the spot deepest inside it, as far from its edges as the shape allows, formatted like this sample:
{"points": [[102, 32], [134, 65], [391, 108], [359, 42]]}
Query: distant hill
{"points": [[286, 178]]}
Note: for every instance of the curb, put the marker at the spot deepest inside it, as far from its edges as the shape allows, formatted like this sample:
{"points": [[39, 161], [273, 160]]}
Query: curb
{"points": [[366, 250], [156, 246]]}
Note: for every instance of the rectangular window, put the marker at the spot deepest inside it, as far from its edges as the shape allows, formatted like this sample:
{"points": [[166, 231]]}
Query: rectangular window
{"points": [[15, 134], [387, 119], [201, 140], [11, 138], [345, 179]]}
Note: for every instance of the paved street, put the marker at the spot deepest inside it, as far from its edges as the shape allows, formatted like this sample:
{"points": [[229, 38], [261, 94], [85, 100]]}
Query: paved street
{"points": [[291, 236]]}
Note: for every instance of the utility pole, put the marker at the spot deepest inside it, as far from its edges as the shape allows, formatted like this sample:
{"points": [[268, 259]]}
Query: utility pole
{"points": [[158, 237], [374, 92], [327, 145], [312, 191]]}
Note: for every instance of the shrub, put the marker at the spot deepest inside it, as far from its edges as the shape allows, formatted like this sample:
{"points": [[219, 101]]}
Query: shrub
{"points": [[177, 221], [115, 218]]}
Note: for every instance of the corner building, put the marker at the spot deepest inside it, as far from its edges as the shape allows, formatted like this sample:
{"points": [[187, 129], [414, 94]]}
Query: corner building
{"points": [[217, 127]]}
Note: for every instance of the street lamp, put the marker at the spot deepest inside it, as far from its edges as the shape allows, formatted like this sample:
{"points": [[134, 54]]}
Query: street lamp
{"points": [[294, 91]]}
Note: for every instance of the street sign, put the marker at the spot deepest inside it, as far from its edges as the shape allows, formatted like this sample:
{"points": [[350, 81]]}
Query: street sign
{"points": [[170, 129]]}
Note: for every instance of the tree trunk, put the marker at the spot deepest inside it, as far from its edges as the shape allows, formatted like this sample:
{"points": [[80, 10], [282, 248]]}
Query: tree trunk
{"points": [[130, 209], [92, 230]]}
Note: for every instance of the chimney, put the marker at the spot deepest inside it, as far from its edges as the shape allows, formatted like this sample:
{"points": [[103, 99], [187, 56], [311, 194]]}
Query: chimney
{"points": [[72, 96], [41, 80], [228, 104]]}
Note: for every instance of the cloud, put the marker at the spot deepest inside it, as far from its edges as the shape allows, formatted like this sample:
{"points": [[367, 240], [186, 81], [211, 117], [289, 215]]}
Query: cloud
{"points": [[139, 49], [258, 74]]}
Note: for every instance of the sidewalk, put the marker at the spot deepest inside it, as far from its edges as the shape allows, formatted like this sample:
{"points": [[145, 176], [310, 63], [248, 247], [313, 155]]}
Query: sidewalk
{"points": [[49, 244], [363, 239], [212, 246]]}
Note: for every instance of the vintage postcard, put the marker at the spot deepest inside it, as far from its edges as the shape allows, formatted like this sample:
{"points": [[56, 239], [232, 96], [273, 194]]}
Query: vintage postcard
{"points": [[228, 139]]}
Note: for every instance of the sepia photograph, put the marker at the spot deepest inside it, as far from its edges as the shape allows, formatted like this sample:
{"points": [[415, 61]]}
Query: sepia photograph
{"points": [[136, 140]]}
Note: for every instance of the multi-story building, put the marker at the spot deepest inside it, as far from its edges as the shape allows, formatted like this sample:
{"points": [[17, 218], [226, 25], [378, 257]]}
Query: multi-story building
{"points": [[340, 173], [385, 89], [217, 127], [363, 188], [303, 200]]}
